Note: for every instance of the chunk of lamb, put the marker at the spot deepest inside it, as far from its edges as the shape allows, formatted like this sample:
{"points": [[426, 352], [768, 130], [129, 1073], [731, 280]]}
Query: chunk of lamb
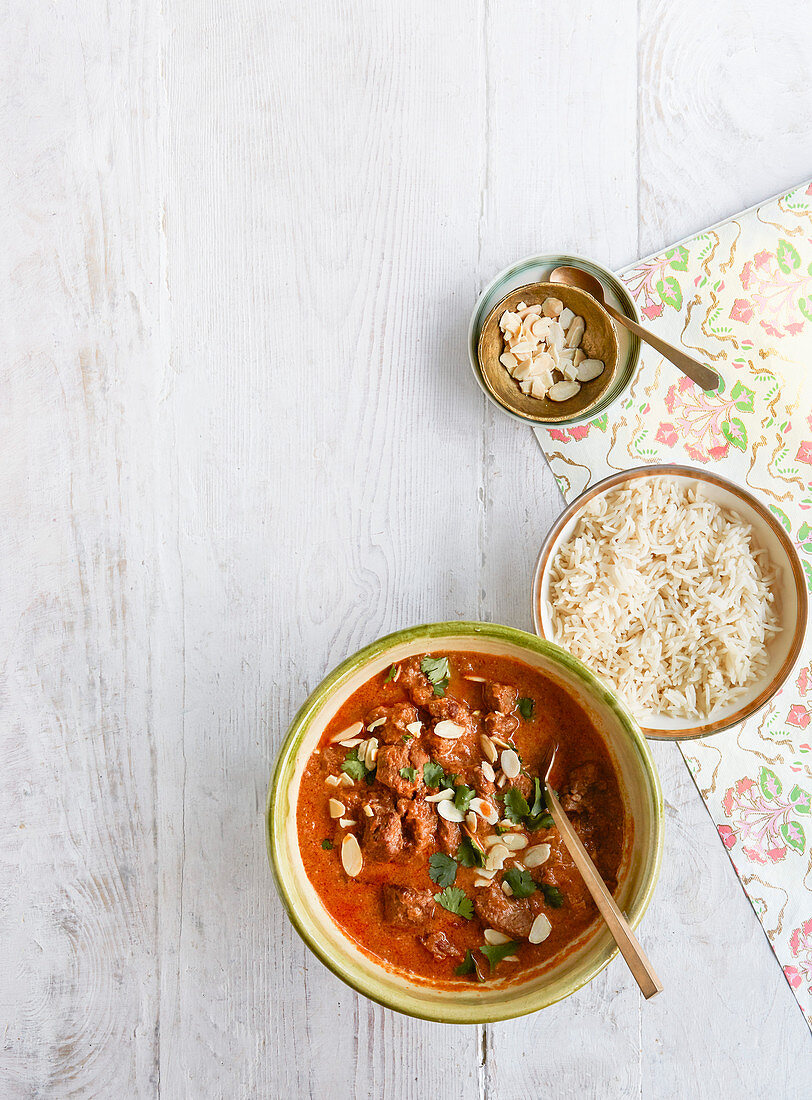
{"points": [[524, 784], [417, 686], [483, 786], [419, 821], [500, 697], [393, 759], [440, 946], [383, 837], [501, 725], [449, 836], [398, 717], [579, 782], [452, 753], [512, 916], [407, 908]]}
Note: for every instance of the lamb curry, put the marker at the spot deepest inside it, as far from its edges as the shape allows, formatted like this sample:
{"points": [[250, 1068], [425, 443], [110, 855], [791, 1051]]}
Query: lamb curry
{"points": [[423, 826]]}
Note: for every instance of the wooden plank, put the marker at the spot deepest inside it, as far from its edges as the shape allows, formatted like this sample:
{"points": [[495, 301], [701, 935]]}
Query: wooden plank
{"points": [[322, 450], [81, 249], [562, 176]]}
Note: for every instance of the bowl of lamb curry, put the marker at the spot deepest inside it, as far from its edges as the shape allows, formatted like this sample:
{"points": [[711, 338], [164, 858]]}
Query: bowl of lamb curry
{"points": [[409, 834]]}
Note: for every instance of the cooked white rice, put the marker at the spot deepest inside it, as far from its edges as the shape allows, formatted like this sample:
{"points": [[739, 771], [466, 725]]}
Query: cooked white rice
{"points": [[659, 591]]}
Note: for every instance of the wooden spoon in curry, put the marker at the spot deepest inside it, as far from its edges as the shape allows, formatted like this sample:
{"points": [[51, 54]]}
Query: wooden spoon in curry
{"points": [[630, 949]]}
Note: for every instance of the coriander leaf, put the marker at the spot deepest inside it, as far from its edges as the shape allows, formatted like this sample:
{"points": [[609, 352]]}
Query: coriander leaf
{"points": [[495, 952], [393, 671], [432, 774], [462, 798], [327, 845], [515, 805], [539, 817], [370, 777], [409, 774], [520, 882], [526, 707], [552, 895], [353, 766], [456, 901], [442, 869], [467, 966], [406, 737], [539, 805], [437, 672], [469, 855]]}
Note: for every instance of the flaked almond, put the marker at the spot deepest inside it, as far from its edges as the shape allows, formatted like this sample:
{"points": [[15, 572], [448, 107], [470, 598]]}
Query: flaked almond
{"points": [[449, 811], [589, 369], [506, 890], [480, 882], [414, 728], [485, 810], [500, 742], [368, 810], [371, 753], [514, 841], [332, 781], [540, 929], [349, 732], [575, 333], [346, 780], [336, 808], [579, 356], [507, 359], [501, 781], [449, 731], [488, 748], [471, 821], [535, 856], [566, 318], [563, 391], [496, 857], [347, 822], [351, 859], [376, 724], [476, 679], [489, 841], [483, 872], [510, 959], [487, 771], [511, 764], [552, 307], [492, 936], [441, 796], [353, 741]]}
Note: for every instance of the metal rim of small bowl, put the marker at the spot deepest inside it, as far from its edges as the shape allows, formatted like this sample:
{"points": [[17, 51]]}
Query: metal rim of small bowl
{"points": [[615, 480]]}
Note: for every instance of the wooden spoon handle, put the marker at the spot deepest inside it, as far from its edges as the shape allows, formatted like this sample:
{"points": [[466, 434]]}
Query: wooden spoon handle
{"points": [[627, 942], [704, 376]]}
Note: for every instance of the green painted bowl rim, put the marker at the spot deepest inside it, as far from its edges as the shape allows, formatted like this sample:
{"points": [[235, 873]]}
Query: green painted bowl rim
{"points": [[408, 1002]]}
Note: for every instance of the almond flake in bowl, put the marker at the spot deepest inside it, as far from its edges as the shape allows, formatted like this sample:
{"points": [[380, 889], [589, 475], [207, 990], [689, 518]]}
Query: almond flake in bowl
{"points": [[665, 593], [543, 351]]}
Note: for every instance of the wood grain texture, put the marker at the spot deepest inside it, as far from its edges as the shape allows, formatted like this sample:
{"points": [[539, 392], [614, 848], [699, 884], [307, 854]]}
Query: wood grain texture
{"points": [[242, 247]]}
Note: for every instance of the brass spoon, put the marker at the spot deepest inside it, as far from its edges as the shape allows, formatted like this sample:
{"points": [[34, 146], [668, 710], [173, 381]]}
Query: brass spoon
{"points": [[630, 949], [704, 376]]}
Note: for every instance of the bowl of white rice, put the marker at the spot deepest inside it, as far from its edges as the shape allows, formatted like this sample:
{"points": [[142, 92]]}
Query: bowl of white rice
{"points": [[678, 588]]}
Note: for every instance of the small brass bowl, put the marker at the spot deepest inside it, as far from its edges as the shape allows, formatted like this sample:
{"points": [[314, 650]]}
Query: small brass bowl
{"points": [[599, 342]]}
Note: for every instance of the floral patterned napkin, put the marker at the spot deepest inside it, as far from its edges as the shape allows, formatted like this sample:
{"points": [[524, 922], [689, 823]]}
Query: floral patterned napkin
{"points": [[739, 296]]}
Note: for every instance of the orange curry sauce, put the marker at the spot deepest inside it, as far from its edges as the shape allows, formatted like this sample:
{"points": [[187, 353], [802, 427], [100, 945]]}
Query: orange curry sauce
{"points": [[583, 776]]}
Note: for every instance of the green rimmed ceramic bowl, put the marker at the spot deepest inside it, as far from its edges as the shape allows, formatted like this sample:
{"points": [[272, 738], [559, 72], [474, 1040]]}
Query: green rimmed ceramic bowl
{"points": [[496, 1000]]}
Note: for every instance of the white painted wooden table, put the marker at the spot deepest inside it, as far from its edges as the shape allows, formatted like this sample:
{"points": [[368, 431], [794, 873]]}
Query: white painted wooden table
{"points": [[241, 243]]}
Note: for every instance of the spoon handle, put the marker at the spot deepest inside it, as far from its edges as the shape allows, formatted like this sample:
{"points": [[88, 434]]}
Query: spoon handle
{"points": [[630, 949], [705, 377]]}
